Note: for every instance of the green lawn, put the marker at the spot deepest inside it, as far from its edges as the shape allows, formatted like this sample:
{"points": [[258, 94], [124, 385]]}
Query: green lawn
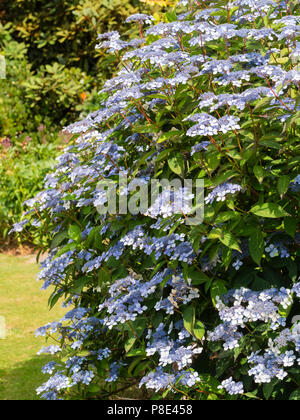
{"points": [[24, 307]]}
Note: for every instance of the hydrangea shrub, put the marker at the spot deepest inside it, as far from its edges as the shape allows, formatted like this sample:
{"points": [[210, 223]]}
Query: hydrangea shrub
{"points": [[204, 311]]}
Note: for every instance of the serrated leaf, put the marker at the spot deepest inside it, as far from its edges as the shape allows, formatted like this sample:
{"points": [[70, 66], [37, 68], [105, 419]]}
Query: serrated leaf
{"points": [[225, 216], [269, 210], [230, 241]]}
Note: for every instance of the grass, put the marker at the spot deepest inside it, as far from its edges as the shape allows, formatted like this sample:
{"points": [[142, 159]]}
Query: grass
{"points": [[24, 307]]}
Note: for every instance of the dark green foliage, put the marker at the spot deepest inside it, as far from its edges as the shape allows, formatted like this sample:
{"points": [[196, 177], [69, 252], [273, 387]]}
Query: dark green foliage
{"points": [[65, 31], [53, 94], [23, 165], [49, 48]]}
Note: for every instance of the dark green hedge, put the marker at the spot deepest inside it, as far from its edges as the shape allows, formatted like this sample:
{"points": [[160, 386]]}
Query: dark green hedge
{"points": [[65, 31]]}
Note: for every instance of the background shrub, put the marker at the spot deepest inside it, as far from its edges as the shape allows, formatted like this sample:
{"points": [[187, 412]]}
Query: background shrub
{"points": [[24, 162], [65, 31], [45, 87], [29, 143], [200, 312], [52, 95]]}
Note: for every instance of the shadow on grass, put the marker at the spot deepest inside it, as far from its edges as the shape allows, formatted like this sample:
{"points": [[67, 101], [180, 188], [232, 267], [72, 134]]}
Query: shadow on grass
{"points": [[20, 382]]}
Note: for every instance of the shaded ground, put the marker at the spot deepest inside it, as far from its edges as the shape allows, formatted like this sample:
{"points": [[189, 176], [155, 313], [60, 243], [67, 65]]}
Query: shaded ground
{"points": [[24, 307]]}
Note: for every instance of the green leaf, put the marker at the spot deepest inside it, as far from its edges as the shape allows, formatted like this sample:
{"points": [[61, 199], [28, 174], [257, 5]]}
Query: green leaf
{"points": [[259, 173], [215, 234], [53, 300], [230, 241], [213, 160], [269, 210], [226, 256], [141, 367], [74, 233], [293, 270], [134, 364], [225, 216], [199, 330], [257, 245], [284, 312], [176, 164], [168, 136], [290, 226], [59, 238], [295, 396], [171, 17], [130, 343], [143, 160], [136, 352], [271, 144], [269, 388], [251, 395], [67, 248], [198, 278], [163, 155], [218, 289], [189, 318], [139, 326], [94, 389], [79, 284], [103, 276], [283, 184], [262, 102]]}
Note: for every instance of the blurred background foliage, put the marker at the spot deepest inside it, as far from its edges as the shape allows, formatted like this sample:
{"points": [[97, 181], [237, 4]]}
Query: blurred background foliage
{"points": [[53, 75], [65, 31], [58, 40], [48, 95]]}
